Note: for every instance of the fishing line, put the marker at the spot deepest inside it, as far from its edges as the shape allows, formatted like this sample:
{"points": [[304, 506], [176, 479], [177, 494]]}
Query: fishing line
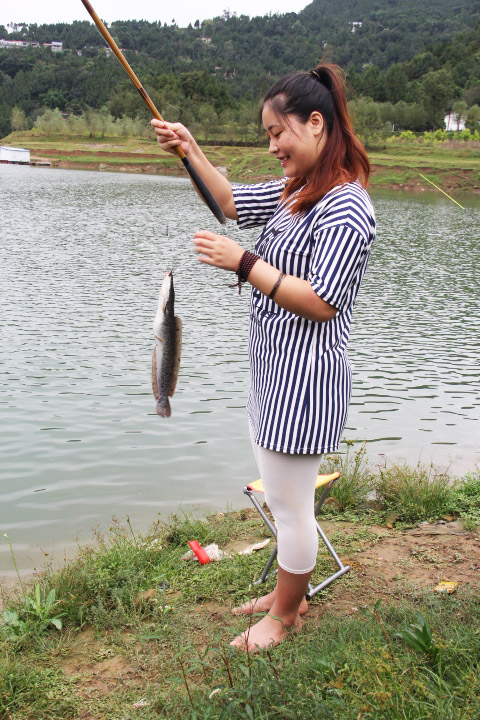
{"points": [[442, 191]]}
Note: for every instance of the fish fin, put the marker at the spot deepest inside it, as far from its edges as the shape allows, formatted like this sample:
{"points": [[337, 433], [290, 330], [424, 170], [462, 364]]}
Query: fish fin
{"points": [[163, 408], [154, 375], [177, 354]]}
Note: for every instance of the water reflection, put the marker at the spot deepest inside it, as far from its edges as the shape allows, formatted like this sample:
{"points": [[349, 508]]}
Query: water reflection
{"points": [[82, 256]]}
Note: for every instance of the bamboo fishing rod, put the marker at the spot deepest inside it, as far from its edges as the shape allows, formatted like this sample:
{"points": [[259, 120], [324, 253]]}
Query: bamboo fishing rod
{"points": [[196, 179]]}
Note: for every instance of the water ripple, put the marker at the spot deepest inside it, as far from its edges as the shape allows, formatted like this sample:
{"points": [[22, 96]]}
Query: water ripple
{"points": [[82, 256]]}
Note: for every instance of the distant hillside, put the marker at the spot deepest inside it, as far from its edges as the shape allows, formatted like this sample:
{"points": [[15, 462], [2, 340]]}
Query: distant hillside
{"points": [[385, 32], [392, 31], [222, 65]]}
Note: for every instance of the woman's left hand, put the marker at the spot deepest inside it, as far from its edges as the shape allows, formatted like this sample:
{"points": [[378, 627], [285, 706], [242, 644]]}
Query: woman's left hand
{"points": [[217, 250]]}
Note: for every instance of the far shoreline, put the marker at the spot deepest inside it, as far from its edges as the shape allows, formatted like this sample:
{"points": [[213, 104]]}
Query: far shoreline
{"points": [[395, 166]]}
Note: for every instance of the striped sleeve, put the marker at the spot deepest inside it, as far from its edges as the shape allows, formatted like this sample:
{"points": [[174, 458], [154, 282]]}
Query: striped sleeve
{"points": [[338, 259], [255, 204]]}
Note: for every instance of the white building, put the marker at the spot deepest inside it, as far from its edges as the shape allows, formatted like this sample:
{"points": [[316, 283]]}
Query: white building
{"points": [[54, 46], [452, 123], [14, 155]]}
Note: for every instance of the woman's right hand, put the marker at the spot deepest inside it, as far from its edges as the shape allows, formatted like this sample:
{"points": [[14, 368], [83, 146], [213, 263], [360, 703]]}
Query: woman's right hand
{"points": [[170, 135]]}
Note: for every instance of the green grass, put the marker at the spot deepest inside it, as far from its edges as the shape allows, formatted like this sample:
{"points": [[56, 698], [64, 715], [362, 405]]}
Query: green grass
{"points": [[467, 499], [418, 493], [356, 481], [413, 658], [449, 164]]}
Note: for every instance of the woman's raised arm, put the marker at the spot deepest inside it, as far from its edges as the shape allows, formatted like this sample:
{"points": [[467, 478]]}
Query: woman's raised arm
{"points": [[169, 135]]}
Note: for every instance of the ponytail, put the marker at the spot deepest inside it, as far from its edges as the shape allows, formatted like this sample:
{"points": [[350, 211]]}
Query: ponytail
{"points": [[343, 158]]}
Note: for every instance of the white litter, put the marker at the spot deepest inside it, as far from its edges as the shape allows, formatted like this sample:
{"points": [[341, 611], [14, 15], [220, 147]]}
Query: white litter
{"points": [[252, 548], [141, 703], [213, 552]]}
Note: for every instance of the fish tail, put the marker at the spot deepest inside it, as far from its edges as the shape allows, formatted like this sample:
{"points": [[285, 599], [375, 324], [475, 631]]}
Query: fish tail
{"points": [[163, 407]]}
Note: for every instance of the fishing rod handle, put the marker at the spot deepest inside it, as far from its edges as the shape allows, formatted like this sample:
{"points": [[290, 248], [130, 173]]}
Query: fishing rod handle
{"points": [[210, 201]]}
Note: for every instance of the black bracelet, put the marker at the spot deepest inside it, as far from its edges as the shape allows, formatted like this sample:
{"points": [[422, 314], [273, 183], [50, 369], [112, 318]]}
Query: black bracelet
{"points": [[247, 262], [276, 286]]}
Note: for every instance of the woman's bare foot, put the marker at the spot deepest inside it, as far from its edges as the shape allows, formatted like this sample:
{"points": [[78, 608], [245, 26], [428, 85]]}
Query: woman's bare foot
{"points": [[263, 604], [268, 632]]}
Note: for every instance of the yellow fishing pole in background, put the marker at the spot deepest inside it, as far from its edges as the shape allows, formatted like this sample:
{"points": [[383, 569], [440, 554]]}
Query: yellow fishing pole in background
{"points": [[442, 191]]}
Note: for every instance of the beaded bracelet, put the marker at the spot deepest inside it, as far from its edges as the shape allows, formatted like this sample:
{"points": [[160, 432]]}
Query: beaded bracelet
{"points": [[247, 262]]}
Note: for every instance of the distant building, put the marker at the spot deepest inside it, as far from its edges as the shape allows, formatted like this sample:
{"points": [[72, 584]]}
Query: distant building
{"points": [[8, 44], [20, 156], [356, 25], [14, 43], [452, 122]]}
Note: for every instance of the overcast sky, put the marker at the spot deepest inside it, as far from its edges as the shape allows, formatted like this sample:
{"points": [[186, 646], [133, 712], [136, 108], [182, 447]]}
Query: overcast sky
{"points": [[52, 11]]}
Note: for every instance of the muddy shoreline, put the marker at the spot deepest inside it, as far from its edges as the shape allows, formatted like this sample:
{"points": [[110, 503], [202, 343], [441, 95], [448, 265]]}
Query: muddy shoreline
{"points": [[458, 180]]}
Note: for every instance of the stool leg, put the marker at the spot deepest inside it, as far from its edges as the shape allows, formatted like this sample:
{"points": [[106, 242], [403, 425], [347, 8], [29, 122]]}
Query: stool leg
{"points": [[272, 529], [267, 567], [261, 511]]}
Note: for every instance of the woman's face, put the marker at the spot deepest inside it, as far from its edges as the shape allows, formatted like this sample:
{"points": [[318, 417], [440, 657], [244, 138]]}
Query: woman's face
{"points": [[296, 145]]}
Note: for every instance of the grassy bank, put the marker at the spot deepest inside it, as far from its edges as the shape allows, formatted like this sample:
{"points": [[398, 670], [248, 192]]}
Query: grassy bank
{"points": [[452, 164], [128, 629]]}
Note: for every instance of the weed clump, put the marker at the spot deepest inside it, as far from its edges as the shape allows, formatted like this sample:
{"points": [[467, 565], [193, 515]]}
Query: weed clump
{"points": [[355, 484], [418, 493], [467, 499]]}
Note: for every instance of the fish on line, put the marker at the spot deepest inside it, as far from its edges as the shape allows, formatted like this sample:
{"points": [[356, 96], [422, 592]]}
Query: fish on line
{"points": [[167, 330]]}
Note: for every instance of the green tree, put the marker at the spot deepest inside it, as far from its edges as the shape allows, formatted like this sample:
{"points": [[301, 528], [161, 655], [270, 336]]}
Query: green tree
{"points": [[5, 119], [373, 84], [17, 119], [421, 64], [366, 118], [207, 119], [438, 92], [54, 98], [51, 122], [396, 83], [459, 111], [473, 117]]}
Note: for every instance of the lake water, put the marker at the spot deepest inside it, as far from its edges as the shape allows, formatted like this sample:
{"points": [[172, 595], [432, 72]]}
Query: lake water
{"points": [[82, 258]]}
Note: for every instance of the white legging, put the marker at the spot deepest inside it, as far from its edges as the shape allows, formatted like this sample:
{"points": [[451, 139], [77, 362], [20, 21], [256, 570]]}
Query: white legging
{"points": [[289, 483]]}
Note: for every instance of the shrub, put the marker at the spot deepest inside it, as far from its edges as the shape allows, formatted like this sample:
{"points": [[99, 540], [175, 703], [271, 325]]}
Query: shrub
{"points": [[356, 482], [467, 498], [419, 493]]}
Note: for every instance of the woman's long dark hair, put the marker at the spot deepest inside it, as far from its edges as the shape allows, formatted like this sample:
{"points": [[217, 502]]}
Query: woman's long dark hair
{"points": [[343, 158]]}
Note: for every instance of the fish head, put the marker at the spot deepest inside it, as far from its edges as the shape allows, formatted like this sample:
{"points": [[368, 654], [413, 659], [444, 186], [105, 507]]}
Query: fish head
{"points": [[165, 299], [165, 290]]}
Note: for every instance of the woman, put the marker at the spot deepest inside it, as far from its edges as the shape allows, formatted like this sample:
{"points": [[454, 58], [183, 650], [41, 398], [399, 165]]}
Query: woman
{"points": [[305, 273]]}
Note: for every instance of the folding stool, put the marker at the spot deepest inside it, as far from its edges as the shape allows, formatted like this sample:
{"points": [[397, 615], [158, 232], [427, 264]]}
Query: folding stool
{"points": [[323, 481]]}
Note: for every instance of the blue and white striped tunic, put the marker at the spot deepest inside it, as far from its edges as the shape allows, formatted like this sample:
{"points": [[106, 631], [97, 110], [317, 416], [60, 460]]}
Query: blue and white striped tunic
{"points": [[300, 372]]}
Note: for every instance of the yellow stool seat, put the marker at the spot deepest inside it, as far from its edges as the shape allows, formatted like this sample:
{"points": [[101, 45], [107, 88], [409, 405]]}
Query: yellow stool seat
{"points": [[322, 480]]}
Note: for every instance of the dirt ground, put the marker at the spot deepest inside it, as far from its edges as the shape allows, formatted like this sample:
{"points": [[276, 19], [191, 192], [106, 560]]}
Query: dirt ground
{"points": [[399, 563], [385, 563]]}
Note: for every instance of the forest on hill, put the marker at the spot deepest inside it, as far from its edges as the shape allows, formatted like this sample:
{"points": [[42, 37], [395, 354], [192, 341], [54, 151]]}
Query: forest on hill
{"points": [[407, 64]]}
